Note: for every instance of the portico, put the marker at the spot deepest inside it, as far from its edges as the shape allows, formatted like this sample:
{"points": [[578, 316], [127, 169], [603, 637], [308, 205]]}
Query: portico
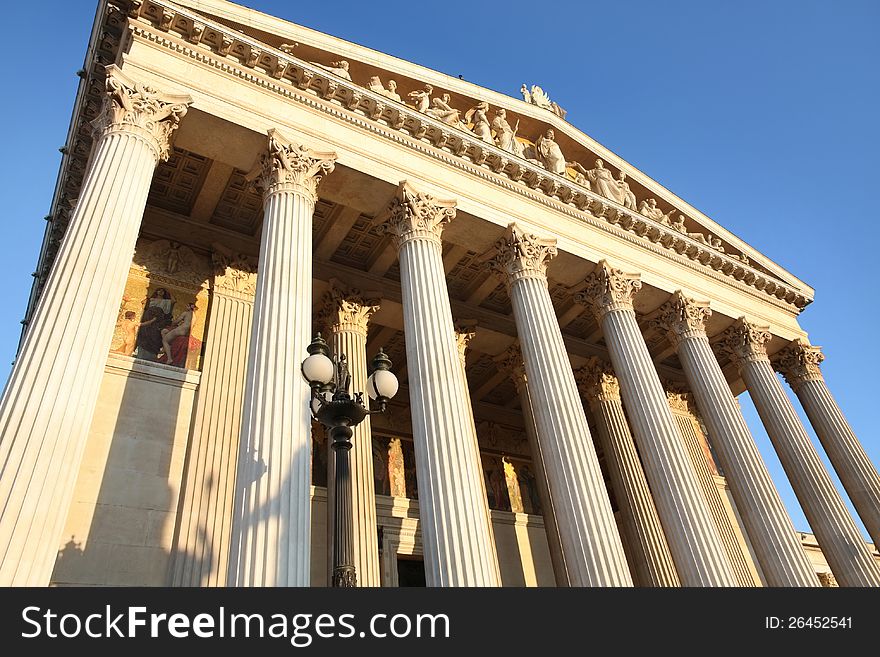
{"points": [[293, 199]]}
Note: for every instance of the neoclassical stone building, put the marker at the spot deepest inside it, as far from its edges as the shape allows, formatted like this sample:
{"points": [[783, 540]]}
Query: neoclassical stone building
{"points": [[570, 337]]}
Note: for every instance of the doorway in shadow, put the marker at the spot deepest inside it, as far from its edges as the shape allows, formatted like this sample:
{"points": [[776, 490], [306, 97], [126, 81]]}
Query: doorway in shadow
{"points": [[410, 571]]}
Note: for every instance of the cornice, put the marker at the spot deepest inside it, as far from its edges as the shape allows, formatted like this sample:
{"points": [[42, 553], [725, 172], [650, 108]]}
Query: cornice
{"points": [[223, 48], [295, 33]]}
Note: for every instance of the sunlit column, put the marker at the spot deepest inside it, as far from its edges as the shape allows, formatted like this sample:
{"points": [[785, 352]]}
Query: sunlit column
{"points": [[799, 364], [696, 548], [836, 532], [455, 527], [272, 520], [48, 403], [649, 550], [591, 545]]}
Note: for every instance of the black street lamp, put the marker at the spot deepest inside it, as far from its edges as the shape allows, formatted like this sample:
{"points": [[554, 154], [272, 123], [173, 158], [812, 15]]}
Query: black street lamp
{"points": [[333, 406]]}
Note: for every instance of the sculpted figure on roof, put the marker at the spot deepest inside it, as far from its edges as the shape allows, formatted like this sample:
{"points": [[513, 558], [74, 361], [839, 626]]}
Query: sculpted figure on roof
{"points": [[601, 181], [390, 92], [339, 68], [629, 199], [539, 97], [648, 208], [442, 110], [505, 136], [549, 153], [422, 98], [481, 127]]}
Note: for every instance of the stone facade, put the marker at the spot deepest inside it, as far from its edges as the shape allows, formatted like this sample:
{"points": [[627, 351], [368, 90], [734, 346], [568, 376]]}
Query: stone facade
{"points": [[569, 337]]}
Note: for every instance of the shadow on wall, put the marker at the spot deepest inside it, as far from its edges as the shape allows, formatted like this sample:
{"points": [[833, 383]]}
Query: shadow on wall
{"points": [[122, 517]]}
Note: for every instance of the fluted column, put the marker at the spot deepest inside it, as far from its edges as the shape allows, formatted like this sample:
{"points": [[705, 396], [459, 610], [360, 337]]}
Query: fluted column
{"points": [[463, 337], [511, 363], [201, 554], [696, 548], [799, 364], [591, 545], [272, 519], [772, 535], [48, 403], [682, 405], [453, 509], [346, 316], [836, 532], [649, 550]]}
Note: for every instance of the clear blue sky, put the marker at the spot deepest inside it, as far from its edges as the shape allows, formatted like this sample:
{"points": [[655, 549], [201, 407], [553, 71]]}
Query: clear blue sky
{"points": [[761, 114]]}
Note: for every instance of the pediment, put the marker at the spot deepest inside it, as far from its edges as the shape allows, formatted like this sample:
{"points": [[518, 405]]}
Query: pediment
{"points": [[453, 108]]}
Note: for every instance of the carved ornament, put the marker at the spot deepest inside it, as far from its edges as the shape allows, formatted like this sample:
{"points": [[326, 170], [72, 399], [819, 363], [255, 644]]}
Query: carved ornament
{"points": [[744, 342], [608, 289], [597, 382], [290, 167], [798, 363], [134, 107], [681, 318], [511, 363], [347, 310], [234, 274], [463, 337], [518, 255], [413, 215]]}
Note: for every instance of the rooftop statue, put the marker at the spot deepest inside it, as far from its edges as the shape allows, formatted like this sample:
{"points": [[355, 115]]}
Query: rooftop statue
{"points": [[477, 117], [443, 111], [391, 92], [339, 68], [422, 98], [539, 97], [602, 182], [549, 153], [505, 136], [648, 208], [629, 198]]}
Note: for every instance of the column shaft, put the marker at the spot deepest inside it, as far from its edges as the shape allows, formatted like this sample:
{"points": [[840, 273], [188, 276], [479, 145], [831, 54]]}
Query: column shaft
{"points": [[799, 363], [696, 548], [773, 538], [272, 519], [716, 507], [462, 337], [551, 526], [511, 363], [453, 509], [652, 559], [591, 545], [348, 339], [857, 474], [201, 555], [48, 403], [836, 532]]}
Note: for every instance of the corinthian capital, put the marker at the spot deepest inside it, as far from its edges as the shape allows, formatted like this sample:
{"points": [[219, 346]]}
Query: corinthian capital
{"points": [[682, 317], [597, 382], [798, 363], [134, 107], [416, 215], [511, 363], [291, 167], [607, 289], [519, 254], [744, 342], [234, 274], [346, 310]]}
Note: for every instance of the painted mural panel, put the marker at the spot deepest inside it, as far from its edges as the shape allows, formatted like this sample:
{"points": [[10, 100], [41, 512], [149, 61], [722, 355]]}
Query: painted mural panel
{"points": [[162, 315]]}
